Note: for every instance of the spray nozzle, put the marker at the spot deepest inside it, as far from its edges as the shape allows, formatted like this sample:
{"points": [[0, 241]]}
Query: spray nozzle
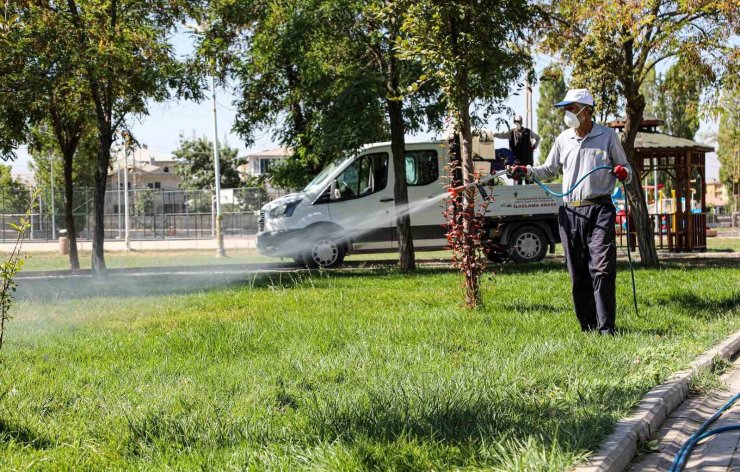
{"points": [[453, 192]]}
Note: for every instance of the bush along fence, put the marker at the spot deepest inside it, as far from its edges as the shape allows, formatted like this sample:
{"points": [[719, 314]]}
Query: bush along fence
{"points": [[153, 213]]}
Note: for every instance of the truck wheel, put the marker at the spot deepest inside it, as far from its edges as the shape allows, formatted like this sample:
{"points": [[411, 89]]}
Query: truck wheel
{"points": [[528, 244], [324, 253]]}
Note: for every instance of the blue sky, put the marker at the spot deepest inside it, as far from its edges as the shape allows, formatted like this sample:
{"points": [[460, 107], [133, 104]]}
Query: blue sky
{"points": [[160, 130]]}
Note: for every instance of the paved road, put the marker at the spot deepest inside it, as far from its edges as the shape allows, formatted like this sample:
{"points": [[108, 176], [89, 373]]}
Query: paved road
{"points": [[720, 453], [213, 269]]}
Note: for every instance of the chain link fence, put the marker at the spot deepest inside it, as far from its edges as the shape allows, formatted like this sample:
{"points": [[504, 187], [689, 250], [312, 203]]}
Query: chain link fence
{"points": [[153, 213]]}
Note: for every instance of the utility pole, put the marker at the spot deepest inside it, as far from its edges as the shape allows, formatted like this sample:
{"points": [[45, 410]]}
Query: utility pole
{"points": [[127, 241], [53, 210], [217, 166], [528, 106], [118, 183]]}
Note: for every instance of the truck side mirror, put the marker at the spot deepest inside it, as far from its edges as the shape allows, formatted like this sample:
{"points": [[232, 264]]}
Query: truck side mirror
{"points": [[334, 193]]}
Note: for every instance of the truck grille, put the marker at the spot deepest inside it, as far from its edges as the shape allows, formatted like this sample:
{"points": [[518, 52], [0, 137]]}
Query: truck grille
{"points": [[261, 221]]}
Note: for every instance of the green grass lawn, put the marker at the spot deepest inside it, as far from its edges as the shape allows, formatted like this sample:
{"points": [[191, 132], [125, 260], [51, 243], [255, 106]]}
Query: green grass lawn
{"points": [[354, 370]]}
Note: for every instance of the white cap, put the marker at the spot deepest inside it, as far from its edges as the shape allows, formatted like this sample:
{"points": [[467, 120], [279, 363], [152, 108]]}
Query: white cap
{"points": [[518, 119], [582, 96]]}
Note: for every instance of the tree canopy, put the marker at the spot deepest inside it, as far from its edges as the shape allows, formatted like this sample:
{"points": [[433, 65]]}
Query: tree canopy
{"points": [[295, 70], [14, 195], [195, 165], [549, 119], [675, 96], [728, 141]]}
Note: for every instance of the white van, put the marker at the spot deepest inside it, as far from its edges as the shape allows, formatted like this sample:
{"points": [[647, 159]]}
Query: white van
{"points": [[349, 208]]}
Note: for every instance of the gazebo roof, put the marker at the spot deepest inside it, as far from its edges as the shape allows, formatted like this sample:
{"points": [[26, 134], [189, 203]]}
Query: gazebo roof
{"points": [[648, 121], [666, 141], [649, 138]]}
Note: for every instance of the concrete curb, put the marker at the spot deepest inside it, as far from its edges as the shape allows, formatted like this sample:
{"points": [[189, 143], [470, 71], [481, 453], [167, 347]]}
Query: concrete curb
{"points": [[620, 447]]}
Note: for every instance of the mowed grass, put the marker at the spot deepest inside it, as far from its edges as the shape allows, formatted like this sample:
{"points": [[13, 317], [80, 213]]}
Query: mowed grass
{"points": [[354, 370]]}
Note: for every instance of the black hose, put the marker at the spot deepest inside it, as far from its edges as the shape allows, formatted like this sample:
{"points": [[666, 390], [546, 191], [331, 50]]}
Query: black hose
{"points": [[629, 252]]}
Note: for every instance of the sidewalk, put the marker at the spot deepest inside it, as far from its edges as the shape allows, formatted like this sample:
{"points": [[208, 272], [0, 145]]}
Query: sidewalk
{"points": [[246, 242], [719, 453]]}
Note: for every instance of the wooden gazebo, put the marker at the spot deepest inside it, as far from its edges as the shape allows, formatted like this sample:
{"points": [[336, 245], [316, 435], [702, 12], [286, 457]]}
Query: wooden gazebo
{"points": [[679, 218]]}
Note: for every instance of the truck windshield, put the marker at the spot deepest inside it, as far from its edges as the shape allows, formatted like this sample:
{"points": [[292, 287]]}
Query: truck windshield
{"points": [[320, 180]]}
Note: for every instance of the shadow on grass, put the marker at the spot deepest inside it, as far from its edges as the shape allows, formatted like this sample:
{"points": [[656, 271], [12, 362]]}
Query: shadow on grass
{"points": [[521, 307], [23, 436], [462, 422], [626, 330], [700, 306], [467, 420]]}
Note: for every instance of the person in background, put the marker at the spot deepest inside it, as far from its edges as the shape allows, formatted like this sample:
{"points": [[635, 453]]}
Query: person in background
{"points": [[587, 216], [522, 142]]}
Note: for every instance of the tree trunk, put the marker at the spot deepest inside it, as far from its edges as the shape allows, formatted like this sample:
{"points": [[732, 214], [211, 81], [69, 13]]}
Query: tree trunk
{"points": [[101, 181], [406, 257], [69, 220], [635, 109], [643, 228], [472, 281]]}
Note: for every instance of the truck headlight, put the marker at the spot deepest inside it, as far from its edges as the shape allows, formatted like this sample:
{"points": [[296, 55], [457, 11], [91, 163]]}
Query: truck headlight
{"points": [[284, 210]]}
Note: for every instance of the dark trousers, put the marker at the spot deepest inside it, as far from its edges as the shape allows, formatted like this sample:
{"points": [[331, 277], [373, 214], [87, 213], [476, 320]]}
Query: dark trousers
{"points": [[587, 235]]}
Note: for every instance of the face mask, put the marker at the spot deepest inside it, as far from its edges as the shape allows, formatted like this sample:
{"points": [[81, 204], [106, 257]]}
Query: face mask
{"points": [[571, 119]]}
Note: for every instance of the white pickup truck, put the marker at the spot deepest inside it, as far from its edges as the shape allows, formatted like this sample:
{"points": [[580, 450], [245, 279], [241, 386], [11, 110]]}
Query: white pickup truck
{"points": [[349, 208]]}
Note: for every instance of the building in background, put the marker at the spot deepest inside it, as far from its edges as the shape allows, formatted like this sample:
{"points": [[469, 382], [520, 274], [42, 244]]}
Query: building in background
{"points": [[717, 196], [258, 164], [147, 170]]}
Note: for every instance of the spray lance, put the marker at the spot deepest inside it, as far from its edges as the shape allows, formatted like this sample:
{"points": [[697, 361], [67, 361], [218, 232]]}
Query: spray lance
{"points": [[455, 191]]}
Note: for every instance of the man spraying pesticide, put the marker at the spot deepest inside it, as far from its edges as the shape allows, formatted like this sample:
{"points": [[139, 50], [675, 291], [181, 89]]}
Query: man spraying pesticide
{"points": [[591, 158]]}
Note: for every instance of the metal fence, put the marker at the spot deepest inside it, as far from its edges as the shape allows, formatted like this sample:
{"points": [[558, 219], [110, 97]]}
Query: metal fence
{"points": [[153, 213]]}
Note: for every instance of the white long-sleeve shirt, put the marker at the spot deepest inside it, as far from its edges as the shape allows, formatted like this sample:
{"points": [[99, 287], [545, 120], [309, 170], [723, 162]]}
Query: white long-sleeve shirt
{"points": [[577, 156]]}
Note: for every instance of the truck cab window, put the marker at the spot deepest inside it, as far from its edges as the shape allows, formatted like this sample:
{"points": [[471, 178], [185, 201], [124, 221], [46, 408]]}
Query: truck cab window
{"points": [[367, 175], [422, 167]]}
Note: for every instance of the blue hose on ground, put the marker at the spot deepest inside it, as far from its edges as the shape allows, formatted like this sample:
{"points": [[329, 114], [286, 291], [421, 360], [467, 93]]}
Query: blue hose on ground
{"points": [[626, 215], [701, 434]]}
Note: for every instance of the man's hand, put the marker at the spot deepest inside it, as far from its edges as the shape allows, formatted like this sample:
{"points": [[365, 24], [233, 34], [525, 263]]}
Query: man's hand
{"points": [[621, 172], [517, 173]]}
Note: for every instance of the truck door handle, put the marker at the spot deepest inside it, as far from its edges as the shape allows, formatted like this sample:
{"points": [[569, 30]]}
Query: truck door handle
{"points": [[384, 200]]}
